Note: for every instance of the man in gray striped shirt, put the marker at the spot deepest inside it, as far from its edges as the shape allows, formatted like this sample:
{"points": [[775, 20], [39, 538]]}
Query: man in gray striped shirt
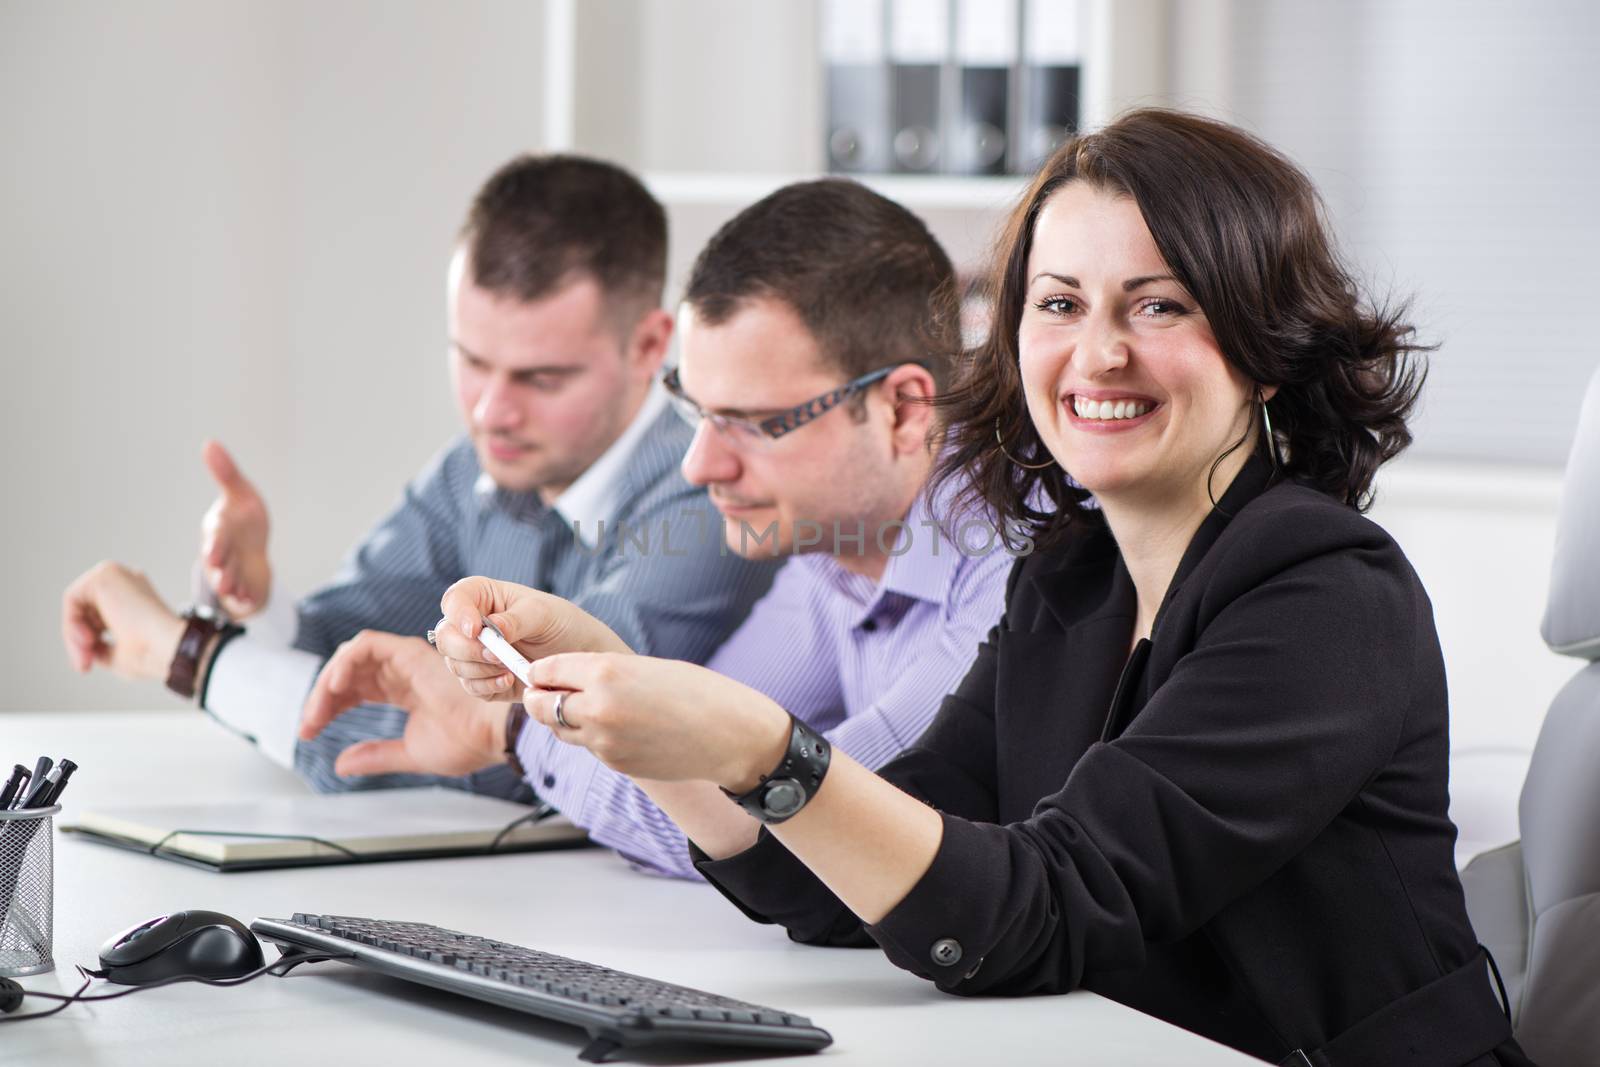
{"points": [[822, 296], [557, 336]]}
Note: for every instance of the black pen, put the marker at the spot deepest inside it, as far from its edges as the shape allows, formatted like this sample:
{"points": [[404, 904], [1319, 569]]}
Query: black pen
{"points": [[35, 780], [41, 768], [19, 775], [64, 769], [22, 789], [42, 788]]}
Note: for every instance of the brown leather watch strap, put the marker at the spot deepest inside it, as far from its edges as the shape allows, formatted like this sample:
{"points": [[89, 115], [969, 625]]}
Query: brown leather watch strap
{"points": [[201, 628], [516, 719]]}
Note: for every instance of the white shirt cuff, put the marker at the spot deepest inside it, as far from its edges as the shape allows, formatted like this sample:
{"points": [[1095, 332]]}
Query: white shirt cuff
{"points": [[258, 687], [278, 621]]}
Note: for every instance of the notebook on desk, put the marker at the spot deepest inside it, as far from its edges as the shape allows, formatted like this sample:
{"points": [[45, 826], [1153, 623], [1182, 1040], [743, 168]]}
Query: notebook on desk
{"points": [[313, 830]]}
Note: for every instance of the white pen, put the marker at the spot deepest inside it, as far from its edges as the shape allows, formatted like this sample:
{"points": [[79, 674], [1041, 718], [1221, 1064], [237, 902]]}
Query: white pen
{"points": [[501, 650]]}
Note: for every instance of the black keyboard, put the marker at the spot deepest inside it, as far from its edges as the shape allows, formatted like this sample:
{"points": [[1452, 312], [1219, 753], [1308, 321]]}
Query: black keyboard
{"points": [[617, 1009]]}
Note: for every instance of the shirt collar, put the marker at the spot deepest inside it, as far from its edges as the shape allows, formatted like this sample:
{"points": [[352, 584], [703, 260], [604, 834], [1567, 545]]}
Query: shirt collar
{"points": [[924, 571], [597, 491]]}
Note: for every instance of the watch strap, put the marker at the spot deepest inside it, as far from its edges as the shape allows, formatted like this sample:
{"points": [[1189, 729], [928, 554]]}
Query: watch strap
{"points": [[780, 795], [200, 627], [516, 719]]}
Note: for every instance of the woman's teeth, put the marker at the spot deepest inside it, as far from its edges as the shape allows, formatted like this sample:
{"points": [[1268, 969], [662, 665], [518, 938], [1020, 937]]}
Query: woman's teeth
{"points": [[1109, 409]]}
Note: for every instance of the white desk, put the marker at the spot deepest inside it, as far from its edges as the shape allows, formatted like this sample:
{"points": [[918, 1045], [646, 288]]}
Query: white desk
{"points": [[587, 904]]}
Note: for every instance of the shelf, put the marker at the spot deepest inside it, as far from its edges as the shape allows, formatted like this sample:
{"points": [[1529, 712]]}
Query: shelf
{"points": [[920, 192]]}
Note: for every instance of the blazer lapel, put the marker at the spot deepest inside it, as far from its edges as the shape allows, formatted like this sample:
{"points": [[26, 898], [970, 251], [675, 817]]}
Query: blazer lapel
{"points": [[1054, 686], [1080, 583], [1067, 688], [1251, 481]]}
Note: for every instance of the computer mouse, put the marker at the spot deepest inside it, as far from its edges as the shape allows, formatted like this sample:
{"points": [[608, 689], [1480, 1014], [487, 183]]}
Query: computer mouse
{"points": [[203, 944]]}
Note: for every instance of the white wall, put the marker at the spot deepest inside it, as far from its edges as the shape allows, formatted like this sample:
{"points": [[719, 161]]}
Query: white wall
{"points": [[227, 219], [1481, 538]]}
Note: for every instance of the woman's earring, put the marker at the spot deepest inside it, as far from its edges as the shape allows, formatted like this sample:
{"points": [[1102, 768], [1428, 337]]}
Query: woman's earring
{"points": [[1008, 455], [1272, 439]]}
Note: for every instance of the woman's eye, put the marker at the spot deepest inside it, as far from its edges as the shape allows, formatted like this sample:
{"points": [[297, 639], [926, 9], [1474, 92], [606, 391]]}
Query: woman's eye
{"points": [[1057, 305], [1162, 308]]}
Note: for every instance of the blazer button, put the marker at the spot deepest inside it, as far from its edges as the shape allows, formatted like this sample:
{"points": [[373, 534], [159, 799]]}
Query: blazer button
{"points": [[946, 952]]}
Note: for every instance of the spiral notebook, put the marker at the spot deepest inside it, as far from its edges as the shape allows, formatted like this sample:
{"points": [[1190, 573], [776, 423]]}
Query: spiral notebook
{"points": [[313, 830]]}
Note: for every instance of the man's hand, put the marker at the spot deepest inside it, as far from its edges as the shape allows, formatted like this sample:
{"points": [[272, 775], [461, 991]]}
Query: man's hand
{"points": [[113, 616], [448, 732], [233, 538], [536, 623]]}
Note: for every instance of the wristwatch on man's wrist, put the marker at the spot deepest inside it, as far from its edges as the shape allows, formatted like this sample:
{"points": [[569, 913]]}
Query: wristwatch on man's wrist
{"points": [[793, 782], [200, 626]]}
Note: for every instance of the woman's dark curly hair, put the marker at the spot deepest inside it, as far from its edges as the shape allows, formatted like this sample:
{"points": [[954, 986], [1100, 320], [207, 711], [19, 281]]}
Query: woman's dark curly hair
{"points": [[1242, 229]]}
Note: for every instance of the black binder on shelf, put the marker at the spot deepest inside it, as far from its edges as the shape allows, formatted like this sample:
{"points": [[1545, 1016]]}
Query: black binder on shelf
{"points": [[1051, 65], [986, 35], [919, 50], [857, 77]]}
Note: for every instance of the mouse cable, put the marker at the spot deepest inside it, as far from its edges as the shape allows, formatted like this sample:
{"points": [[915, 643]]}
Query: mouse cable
{"points": [[287, 962]]}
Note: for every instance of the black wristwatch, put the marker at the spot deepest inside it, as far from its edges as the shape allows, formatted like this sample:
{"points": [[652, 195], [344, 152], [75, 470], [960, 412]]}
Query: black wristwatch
{"points": [[793, 782]]}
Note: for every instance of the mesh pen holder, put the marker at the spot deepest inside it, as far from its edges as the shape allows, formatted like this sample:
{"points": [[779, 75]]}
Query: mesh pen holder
{"points": [[27, 875]]}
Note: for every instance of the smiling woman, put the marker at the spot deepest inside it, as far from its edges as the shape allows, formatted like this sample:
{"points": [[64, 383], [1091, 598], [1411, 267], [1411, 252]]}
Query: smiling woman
{"points": [[1200, 765]]}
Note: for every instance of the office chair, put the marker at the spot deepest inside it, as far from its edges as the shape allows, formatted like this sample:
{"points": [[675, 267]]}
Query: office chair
{"points": [[1536, 902]]}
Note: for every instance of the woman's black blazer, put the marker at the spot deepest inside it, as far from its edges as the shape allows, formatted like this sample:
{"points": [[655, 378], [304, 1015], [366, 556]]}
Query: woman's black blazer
{"points": [[1241, 829]]}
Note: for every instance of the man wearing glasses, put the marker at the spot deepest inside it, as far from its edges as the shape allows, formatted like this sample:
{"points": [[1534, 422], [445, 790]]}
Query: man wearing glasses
{"points": [[816, 327]]}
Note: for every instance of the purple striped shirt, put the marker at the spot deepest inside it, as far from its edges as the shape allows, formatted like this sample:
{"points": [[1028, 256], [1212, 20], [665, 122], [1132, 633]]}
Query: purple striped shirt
{"points": [[866, 662]]}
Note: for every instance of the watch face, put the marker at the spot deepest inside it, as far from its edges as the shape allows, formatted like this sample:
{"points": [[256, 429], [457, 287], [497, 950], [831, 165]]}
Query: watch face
{"points": [[783, 798]]}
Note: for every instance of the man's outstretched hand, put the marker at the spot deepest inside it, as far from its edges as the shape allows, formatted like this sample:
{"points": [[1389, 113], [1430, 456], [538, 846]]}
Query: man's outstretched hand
{"points": [[233, 538]]}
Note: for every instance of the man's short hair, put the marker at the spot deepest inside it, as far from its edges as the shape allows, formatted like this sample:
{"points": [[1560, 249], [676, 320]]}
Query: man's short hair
{"points": [[863, 273], [543, 221]]}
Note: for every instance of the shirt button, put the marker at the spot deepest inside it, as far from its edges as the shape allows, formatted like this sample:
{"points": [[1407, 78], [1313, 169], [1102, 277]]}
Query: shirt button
{"points": [[946, 952], [549, 780]]}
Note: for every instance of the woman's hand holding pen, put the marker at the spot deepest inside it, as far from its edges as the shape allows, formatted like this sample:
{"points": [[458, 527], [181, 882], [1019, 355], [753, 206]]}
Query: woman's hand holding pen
{"points": [[647, 718], [538, 624], [660, 719]]}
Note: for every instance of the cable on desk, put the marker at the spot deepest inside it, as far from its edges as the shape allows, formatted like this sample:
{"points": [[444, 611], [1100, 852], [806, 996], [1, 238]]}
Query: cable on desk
{"points": [[288, 963]]}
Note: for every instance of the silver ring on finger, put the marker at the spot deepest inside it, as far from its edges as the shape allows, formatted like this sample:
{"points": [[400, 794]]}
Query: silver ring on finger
{"points": [[433, 639], [561, 720]]}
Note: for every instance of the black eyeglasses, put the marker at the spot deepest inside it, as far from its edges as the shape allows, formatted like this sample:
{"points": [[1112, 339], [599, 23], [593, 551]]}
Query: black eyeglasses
{"points": [[747, 430]]}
